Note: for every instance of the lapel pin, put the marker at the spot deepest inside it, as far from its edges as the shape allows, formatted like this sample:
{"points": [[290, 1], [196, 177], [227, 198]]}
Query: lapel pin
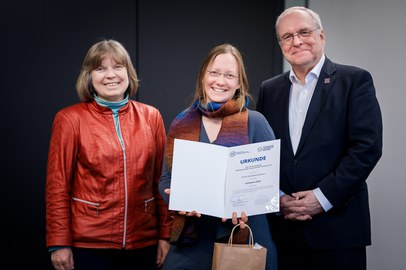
{"points": [[327, 80]]}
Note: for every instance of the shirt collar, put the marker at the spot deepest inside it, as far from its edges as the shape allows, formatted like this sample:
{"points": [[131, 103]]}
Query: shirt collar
{"points": [[315, 71]]}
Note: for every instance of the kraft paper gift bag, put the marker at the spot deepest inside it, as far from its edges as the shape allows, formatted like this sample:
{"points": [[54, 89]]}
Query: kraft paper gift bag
{"points": [[239, 256]]}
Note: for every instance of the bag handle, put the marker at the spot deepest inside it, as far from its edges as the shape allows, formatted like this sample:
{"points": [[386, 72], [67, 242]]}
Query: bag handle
{"points": [[251, 237]]}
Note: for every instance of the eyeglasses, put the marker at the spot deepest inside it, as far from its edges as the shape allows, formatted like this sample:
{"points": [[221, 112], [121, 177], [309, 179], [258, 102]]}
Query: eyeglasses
{"points": [[303, 35], [217, 74]]}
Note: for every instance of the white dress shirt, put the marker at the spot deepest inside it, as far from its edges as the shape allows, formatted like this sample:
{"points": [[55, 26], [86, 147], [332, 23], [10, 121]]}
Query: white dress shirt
{"points": [[300, 97]]}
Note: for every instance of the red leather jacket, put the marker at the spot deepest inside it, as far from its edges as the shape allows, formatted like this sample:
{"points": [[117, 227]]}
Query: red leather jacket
{"points": [[98, 193]]}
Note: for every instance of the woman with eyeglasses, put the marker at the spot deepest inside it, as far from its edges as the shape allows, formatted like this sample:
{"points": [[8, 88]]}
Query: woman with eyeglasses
{"points": [[219, 115]]}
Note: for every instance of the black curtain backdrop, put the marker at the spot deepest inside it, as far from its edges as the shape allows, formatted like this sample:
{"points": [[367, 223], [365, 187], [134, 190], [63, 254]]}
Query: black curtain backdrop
{"points": [[43, 46]]}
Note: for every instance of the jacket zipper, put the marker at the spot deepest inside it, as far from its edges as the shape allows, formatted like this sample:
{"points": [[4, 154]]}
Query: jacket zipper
{"points": [[121, 141], [88, 202], [126, 197]]}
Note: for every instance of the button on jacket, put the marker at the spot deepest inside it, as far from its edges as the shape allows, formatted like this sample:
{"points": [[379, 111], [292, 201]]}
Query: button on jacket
{"points": [[100, 194]]}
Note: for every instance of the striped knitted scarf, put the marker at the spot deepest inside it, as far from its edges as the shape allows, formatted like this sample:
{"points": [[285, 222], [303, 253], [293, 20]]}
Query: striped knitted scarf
{"points": [[233, 131]]}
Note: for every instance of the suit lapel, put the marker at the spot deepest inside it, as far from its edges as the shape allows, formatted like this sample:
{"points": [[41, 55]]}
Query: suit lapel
{"points": [[284, 96]]}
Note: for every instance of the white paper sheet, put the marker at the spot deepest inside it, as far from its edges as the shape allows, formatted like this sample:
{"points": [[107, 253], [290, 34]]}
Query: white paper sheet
{"points": [[216, 180]]}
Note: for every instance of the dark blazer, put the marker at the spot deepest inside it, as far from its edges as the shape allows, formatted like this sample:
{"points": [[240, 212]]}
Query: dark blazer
{"points": [[340, 145]]}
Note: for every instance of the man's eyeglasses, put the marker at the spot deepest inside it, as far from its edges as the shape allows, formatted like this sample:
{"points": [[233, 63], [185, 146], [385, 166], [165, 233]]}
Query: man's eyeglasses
{"points": [[288, 38], [227, 76]]}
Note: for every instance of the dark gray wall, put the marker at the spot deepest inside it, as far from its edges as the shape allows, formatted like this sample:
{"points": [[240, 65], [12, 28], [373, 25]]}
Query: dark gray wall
{"points": [[42, 48], [175, 36], [370, 34], [43, 44]]}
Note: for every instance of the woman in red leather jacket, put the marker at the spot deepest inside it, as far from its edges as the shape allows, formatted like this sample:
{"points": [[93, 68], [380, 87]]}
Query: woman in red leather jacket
{"points": [[103, 207]]}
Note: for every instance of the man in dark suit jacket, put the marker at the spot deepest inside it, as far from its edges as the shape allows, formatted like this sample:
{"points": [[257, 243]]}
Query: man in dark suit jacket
{"points": [[330, 125]]}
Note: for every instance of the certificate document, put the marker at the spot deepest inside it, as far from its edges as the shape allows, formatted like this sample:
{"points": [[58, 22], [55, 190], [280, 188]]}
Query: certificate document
{"points": [[217, 180]]}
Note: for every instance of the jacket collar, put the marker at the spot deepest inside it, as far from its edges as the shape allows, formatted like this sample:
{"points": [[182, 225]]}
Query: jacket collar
{"points": [[93, 105]]}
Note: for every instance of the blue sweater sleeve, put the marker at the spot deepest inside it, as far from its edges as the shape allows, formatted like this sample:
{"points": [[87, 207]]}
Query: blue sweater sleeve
{"points": [[259, 129]]}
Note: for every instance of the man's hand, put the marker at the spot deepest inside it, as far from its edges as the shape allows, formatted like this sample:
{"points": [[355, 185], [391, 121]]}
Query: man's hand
{"points": [[300, 206]]}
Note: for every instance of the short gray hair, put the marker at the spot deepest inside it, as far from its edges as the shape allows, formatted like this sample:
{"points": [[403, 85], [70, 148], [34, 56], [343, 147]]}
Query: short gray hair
{"points": [[312, 14]]}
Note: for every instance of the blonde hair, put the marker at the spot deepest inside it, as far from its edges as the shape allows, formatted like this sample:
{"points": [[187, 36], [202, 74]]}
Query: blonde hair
{"points": [[242, 93], [94, 58]]}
